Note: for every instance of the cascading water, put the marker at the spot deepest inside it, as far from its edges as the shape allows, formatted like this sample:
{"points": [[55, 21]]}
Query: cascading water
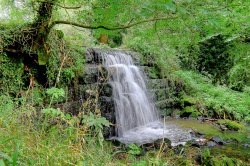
{"points": [[132, 105], [137, 119]]}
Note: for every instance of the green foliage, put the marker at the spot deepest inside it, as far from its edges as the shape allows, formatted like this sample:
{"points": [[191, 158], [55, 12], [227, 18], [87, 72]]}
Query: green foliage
{"points": [[92, 121], [216, 101], [27, 141], [190, 112], [208, 159], [154, 73], [11, 75], [212, 57], [53, 112], [65, 63], [96, 124], [140, 163], [55, 93], [239, 77], [6, 104], [134, 149]]}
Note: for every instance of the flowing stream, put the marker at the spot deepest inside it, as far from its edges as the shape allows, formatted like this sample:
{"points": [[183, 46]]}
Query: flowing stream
{"points": [[137, 119]]}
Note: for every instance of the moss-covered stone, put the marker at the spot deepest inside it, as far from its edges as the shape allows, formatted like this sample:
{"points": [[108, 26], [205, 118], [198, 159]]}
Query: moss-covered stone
{"points": [[231, 125], [190, 111]]}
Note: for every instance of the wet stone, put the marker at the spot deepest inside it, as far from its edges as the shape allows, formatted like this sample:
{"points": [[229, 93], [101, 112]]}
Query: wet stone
{"points": [[232, 140], [160, 94], [156, 83], [106, 90], [200, 118], [106, 104], [211, 144], [218, 140], [157, 144], [164, 103], [179, 149], [198, 143], [246, 145], [166, 112]]}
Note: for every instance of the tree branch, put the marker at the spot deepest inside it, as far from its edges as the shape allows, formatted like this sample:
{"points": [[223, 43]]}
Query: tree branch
{"points": [[106, 27], [68, 7]]}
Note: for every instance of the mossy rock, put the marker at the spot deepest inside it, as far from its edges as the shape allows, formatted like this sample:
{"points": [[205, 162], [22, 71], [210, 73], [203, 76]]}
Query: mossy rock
{"points": [[190, 111], [231, 125]]}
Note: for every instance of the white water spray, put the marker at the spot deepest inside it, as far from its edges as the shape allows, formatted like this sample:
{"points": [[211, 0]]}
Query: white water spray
{"points": [[137, 119], [132, 105]]}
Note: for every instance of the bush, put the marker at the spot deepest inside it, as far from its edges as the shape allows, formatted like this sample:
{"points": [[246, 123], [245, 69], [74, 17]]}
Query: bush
{"points": [[214, 101], [211, 57], [11, 74]]}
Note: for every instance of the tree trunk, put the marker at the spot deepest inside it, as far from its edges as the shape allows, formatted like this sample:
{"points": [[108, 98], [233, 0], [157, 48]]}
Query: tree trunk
{"points": [[41, 25]]}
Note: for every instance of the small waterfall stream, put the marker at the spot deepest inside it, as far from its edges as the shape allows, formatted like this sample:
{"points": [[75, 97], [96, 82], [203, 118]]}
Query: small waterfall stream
{"points": [[132, 105], [137, 119]]}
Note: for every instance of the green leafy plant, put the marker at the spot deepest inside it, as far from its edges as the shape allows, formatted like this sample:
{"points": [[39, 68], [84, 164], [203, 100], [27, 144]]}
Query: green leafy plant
{"points": [[55, 94], [96, 124], [6, 104], [11, 75], [134, 149], [53, 112]]}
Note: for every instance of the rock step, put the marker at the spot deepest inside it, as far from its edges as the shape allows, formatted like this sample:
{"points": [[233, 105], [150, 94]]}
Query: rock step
{"points": [[87, 90], [93, 55], [163, 104], [156, 83], [159, 94]]}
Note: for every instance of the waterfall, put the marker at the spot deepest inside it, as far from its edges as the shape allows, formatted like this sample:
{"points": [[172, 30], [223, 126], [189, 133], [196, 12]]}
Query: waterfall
{"points": [[132, 104], [137, 119]]}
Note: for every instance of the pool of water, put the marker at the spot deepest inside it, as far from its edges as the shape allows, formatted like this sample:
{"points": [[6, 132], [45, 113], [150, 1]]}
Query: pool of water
{"points": [[154, 131], [178, 132]]}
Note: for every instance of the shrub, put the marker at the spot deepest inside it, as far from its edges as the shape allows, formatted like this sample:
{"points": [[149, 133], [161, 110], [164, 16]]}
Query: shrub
{"points": [[211, 57]]}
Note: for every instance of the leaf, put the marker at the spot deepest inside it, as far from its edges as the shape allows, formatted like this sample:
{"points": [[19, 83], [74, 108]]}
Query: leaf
{"points": [[53, 112], [68, 116], [97, 122], [134, 149], [2, 162], [55, 92], [171, 6]]}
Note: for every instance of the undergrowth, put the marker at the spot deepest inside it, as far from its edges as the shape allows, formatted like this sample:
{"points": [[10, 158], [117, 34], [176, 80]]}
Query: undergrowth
{"points": [[215, 101], [48, 137]]}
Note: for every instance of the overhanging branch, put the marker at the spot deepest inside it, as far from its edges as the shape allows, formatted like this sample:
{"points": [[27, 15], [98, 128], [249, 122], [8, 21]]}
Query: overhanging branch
{"points": [[106, 27]]}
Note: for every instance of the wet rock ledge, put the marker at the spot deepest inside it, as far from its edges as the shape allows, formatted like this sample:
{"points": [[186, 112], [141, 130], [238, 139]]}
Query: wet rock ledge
{"points": [[92, 92]]}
